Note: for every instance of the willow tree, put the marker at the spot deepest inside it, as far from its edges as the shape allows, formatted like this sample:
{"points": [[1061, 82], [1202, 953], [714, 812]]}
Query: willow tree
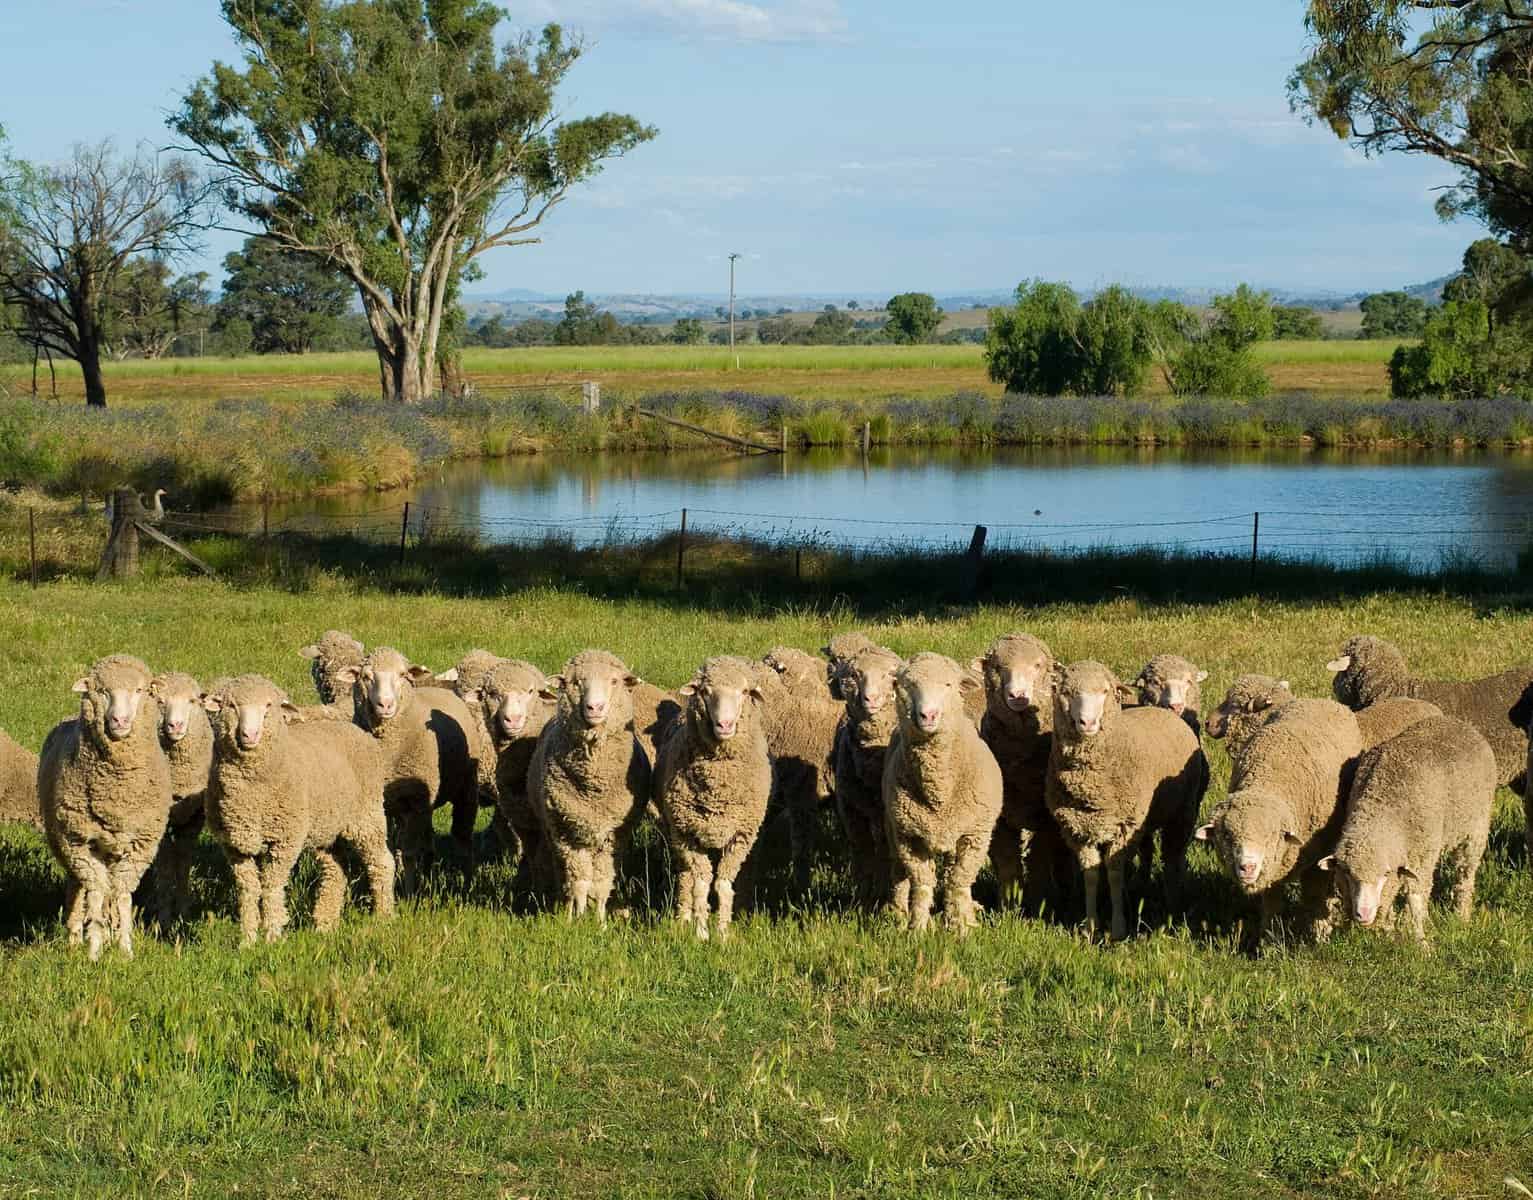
{"points": [[1451, 79], [396, 142]]}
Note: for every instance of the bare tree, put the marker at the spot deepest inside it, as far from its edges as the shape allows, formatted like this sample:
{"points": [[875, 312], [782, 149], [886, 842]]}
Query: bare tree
{"points": [[68, 231]]}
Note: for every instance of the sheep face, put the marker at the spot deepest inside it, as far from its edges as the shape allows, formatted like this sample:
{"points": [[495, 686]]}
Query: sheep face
{"points": [[840, 651], [1018, 672], [471, 673], [1086, 699], [1366, 670], [1248, 697], [929, 695], [384, 684], [594, 690], [328, 659], [1170, 681], [243, 711], [509, 697], [1254, 839], [720, 697], [179, 696], [868, 683], [112, 695], [794, 666], [1362, 882]]}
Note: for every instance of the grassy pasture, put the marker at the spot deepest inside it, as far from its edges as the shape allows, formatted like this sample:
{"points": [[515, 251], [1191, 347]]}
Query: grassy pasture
{"points": [[469, 1050]]}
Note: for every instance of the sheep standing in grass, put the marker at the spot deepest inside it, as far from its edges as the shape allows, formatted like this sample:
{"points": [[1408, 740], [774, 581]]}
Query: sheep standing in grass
{"points": [[800, 729], [515, 712], [329, 658], [465, 681], [867, 683], [104, 787], [1251, 700], [713, 782], [1424, 795], [187, 740], [1171, 681], [280, 786], [430, 751], [18, 784], [942, 792], [589, 778], [1285, 808], [1026, 850], [1118, 777]]}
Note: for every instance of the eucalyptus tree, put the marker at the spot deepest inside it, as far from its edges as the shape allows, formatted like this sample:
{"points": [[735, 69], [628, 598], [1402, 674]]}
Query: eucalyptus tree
{"points": [[396, 141]]}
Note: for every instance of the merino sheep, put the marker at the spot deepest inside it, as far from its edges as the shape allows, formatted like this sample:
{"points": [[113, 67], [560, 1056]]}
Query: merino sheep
{"points": [[1379, 722], [713, 781], [1246, 707], [1423, 795], [430, 751], [18, 784], [869, 720], [104, 787], [801, 673], [840, 651], [655, 710], [589, 778], [280, 786], [465, 681], [1118, 777], [800, 729], [187, 739], [1026, 850], [942, 792], [510, 701], [1171, 681], [1285, 808], [329, 658]]}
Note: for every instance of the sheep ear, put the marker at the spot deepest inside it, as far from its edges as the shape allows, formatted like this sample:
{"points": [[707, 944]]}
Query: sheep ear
{"points": [[157, 687], [1202, 675], [1139, 680], [472, 696], [1339, 664], [551, 688], [1290, 836], [755, 694], [1327, 863], [419, 674], [687, 689], [348, 674], [631, 681], [977, 665], [1203, 832], [309, 651], [81, 685], [1407, 873], [291, 713], [1126, 694], [967, 683], [1283, 683], [212, 703], [448, 676]]}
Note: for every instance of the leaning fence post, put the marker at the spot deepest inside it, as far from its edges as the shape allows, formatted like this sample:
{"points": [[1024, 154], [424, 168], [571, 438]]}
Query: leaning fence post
{"points": [[972, 562], [681, 546], [867, 437], [1256, 528], [404, 528], [32, 541]]}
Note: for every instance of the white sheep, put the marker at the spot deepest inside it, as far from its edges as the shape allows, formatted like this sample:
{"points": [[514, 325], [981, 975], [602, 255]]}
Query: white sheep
{"points": [[867, 684], [187, 740]]}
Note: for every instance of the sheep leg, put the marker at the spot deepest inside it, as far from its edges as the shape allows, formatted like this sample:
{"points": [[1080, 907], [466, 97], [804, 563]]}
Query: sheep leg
{"points": [[1317, 891], [465, 812], [1090, 860], [730, 860], [126, 874], [247, 892], [74, 911], [1146, 856], [604, 872], [172, 872], [702, 885], [275, 869], [1117, 868], [1467, 867], [1006, 850], [373, 849], [958, 889], [862, 843], [1416, 908], [1173, 862], [331, 896], [94, 917], [1048, 869], [923, 889]]}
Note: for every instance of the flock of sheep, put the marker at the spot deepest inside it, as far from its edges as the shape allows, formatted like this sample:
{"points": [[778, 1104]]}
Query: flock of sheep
{"points": [[1053, 773]]}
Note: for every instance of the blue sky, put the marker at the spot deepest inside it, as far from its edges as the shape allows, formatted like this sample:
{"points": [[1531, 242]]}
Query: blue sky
{"points": [[867, 146]]}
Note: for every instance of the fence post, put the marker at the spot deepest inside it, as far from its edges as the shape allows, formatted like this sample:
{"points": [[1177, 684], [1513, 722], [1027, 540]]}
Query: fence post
{"points": [[972, 561], [1256, 528], [590, 396], [784, 437], [867, 437], [681, 546], [404, 528], [798, 564], [32, 540], [120, 557]]}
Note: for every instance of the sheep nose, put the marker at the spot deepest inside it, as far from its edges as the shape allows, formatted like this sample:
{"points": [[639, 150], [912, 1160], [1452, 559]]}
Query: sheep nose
{"points": [[513, 724], [176, 728], [1089, 724], [1178, 707], [1365, 915], [596, 711], [724, 728], [929, 716], [1017, 694]]}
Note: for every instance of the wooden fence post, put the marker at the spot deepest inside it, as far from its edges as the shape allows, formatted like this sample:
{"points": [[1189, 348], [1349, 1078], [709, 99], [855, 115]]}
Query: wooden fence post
{"points": [[404, 528], [867, 437], [1256, 528], [681, 546], [590, 396], [119, 559], [973, 559]]}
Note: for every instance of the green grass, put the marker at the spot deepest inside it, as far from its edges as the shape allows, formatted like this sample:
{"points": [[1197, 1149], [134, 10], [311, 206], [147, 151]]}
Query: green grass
{"points": [[1328, 350], [467, 1050]]}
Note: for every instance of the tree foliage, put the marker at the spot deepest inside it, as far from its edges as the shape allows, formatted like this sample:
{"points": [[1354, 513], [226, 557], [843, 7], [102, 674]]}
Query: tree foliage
{"points": [[1048, 343], [393, 141], [1450, 359], [913, 317], [1393, 314], [1294, 322], [290, 301], [1452, 79]]}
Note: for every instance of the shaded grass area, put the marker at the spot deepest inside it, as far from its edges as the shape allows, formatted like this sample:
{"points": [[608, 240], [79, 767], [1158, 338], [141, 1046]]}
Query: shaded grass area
{"points": [[469, 1049], [252, 448]]}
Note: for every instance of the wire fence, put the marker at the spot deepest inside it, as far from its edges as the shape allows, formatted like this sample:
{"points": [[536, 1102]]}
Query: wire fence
{"points": [[1421, 539]]}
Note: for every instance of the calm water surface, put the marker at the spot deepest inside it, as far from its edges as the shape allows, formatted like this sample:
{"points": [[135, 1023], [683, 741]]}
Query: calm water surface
{"points": [[1335, 505]]}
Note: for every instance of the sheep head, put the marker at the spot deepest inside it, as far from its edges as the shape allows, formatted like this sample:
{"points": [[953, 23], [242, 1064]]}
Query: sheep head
{"points": [[797, 668], [1368, 669], [1255, 836], [242, 711], [328, 657], [595, 692], [469, 675], [1363, 870], [1171, 681], [1087, 697], [929, 695], [510, 697], [111, 697], [1250, 697], [868, 681], [839, 651], [720, 698], [384, 684], [1018, 671], [179, 697]]}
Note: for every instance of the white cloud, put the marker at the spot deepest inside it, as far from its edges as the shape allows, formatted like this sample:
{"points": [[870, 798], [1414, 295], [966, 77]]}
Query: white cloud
{"points": [[725, 20]]}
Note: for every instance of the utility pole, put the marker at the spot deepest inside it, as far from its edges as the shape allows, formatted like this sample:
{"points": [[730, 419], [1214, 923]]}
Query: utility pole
{"points": [[732, 258]]}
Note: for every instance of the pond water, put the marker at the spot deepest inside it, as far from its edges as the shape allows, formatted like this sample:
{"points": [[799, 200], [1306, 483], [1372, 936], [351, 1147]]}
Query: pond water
{"points": [[1417, 507]]}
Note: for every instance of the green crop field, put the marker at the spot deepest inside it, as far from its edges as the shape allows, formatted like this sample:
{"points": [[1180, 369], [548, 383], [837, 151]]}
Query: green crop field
{"points": [[469, 1050]]}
